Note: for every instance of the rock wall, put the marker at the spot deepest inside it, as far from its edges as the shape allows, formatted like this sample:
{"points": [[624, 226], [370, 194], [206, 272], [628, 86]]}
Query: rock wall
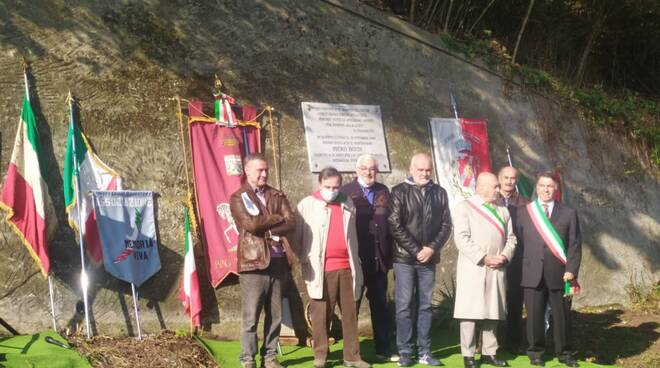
{"points": [[125, 61]]}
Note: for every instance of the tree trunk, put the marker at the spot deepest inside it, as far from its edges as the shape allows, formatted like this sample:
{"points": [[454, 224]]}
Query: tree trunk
{"points": [[413, 3], [428, 14], [591, 42], [522, 30], [483, 12], [446, 26]]}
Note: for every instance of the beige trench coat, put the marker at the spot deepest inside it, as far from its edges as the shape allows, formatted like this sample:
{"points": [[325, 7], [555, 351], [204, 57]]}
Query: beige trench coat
{"points": [[480, 290], [309, 242]]}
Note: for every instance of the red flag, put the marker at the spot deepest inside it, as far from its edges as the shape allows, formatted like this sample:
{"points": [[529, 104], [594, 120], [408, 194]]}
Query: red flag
{"points": [[217, 153], [476, 132]]}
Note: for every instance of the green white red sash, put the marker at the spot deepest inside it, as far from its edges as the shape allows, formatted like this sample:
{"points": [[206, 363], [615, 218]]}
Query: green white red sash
{"points": [[547, 231], [490, 214]]}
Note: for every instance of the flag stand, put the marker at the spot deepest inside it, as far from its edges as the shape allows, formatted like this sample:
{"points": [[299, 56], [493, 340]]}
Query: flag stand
{"points": [[84, 281], [52, 302], [50, 280], [137, 314]]}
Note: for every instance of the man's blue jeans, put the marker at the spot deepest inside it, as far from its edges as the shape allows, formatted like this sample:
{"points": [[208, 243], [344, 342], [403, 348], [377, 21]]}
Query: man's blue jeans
{"points": [[413, 288]]}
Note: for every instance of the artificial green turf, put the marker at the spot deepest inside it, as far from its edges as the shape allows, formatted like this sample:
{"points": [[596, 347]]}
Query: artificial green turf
{"points": [[34, 352], [445, 348]]}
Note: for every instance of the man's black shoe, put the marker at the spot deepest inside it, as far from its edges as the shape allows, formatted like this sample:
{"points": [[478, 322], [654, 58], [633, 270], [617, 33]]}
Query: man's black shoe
{"points": [[569, 362], [492, 360], [536, 361], [469, 362]]}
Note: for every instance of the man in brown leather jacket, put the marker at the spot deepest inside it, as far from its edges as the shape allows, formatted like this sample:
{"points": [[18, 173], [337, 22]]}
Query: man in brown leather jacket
{"points": [[264, 218]]}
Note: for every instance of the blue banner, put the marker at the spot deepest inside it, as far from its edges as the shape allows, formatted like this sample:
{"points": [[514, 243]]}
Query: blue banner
{"points": [[127, 229]]}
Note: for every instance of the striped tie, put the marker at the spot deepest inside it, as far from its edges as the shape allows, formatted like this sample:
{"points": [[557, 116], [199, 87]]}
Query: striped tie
{"points": [[545, 210]]}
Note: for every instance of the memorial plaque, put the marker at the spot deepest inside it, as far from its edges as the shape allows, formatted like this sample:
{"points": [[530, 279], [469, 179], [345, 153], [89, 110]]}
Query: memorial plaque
{"points": [[337, 134]]}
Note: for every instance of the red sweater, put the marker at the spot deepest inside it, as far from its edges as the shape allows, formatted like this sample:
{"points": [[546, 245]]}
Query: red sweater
{"points": [[336, 249]]}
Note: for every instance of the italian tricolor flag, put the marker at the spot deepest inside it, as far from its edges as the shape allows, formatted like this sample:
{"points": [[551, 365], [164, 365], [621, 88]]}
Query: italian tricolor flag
{"points": [[93, 174], [25, 197], [189, 294]]}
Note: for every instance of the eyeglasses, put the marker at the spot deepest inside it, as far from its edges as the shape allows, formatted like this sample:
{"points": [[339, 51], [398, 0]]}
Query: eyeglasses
{"points": [[363, 168]]}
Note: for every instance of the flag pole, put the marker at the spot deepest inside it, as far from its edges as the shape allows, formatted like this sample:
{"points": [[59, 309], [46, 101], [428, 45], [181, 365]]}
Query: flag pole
{"points": [[50, 279], [84, 281], [508, 156], [273, 143], [52, 302], [137, 313], [453, 105]]}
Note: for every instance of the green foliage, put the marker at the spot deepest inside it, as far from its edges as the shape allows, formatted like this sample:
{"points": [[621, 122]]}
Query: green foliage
{"points": [[625, 111], [181, 333]]}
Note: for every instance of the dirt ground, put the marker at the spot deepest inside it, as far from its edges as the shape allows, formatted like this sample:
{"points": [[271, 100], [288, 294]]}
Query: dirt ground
{"points": [[155, 351], [614, 335], [605, 335]]}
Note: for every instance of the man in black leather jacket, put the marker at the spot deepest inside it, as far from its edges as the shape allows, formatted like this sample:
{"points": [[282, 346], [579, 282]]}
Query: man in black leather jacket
{"points": [[420, 224]]}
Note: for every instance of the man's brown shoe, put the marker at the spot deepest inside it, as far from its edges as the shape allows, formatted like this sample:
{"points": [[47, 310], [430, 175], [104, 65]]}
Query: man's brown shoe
{"points": [[272, 363], [357, 364]]}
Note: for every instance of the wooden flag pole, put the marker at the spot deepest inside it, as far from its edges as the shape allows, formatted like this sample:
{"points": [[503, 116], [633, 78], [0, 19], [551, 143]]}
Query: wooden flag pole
{"points": [[137, 313], [84, 281], [272, 143]]}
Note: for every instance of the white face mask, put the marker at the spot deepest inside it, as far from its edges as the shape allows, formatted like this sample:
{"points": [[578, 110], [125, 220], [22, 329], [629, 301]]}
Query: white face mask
{"points": [[363, 184], [329, 195]]}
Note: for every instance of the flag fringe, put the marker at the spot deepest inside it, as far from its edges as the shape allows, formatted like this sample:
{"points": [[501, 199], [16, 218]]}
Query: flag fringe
{"points": [[26, 243]]}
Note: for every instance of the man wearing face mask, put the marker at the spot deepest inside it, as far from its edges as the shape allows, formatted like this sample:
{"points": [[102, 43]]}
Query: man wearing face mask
{"points": [[327, 245], [371, 199], [264, 218], [420, 224]]}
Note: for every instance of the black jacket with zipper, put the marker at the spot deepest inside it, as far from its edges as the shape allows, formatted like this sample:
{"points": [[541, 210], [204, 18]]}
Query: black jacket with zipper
{"points": [[419, 216]]}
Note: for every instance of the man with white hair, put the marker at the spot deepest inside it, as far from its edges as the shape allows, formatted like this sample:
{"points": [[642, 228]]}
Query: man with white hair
{"points": [[420, 224], [375, 246]]}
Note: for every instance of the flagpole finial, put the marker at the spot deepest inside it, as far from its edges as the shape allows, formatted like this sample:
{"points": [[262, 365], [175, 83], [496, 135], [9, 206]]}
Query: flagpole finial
{"points": [[218, 86], [26, 65]]}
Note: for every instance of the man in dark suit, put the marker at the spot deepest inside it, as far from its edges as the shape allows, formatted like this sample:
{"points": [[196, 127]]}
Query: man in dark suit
{"points": [[375, 247], [510, 198], [549, 233]]}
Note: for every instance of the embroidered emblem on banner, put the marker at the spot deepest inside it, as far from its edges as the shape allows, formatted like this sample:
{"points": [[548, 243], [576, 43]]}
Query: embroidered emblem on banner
{"points": [[233, 165], [224, 211], [249, 205]]}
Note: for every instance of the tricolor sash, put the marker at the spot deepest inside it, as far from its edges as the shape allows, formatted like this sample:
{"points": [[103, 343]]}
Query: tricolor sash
{"points": [[490, 214], [547, 231]]}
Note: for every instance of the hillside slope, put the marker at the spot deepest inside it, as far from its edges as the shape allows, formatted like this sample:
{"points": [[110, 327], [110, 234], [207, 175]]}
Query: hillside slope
{"points": [[125, 61]]}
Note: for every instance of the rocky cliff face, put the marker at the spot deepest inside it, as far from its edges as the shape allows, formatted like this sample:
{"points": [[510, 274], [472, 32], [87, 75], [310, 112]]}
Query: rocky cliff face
{"points": [[126, 60]]}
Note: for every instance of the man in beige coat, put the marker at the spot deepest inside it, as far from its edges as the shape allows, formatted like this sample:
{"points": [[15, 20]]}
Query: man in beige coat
{"points": [[326, 243], [484, 237]]}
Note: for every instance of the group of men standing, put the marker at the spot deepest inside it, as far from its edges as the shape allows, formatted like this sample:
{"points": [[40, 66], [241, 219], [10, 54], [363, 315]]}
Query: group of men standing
{"points": [[347, 238]]}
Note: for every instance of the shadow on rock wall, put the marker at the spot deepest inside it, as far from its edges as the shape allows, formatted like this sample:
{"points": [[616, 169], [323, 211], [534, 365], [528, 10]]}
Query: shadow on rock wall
{"points": [[125, 61]]}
